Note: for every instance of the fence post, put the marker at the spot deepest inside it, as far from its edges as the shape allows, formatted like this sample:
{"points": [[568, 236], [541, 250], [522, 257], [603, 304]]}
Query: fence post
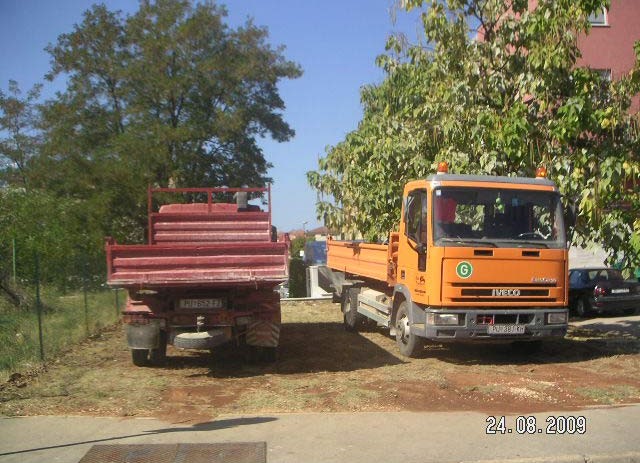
{"points": [[86, 301], [117, 305], [39, 306], [14, 261]]}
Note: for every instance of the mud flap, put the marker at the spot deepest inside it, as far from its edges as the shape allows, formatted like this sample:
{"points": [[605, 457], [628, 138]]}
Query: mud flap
{"points": [[144, 336], [263, 333]]}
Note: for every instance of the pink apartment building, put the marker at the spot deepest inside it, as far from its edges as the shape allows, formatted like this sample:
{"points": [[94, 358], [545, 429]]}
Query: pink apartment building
{"points": [[608, 47]]}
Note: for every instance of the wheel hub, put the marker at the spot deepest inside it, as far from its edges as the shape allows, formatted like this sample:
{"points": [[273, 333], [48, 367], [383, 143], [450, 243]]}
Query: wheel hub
{"points": [[403, 328]]}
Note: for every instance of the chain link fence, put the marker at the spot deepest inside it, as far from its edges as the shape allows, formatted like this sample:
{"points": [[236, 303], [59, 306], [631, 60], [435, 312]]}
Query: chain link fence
{"points": [[45, 310]]}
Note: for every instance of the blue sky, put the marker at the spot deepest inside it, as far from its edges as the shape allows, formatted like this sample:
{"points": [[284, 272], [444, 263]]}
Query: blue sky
{"points": [[336, 43]]}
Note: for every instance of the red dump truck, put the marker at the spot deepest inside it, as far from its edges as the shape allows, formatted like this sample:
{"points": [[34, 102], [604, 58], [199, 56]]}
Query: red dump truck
{"points": [[206, 277]]}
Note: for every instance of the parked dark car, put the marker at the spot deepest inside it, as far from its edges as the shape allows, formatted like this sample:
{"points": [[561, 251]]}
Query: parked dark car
{"points": [[599, 290]]}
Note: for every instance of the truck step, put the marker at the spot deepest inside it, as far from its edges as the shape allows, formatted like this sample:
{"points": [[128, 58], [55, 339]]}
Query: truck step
{"points": [[376, 306]]}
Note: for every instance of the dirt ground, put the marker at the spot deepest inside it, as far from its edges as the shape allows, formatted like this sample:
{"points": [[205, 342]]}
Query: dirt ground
{"points": [[321, 367]]}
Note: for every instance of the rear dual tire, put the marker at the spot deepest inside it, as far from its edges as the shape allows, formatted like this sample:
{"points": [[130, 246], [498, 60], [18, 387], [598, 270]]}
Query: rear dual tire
{"points": [[262, 354], [140, 357], [351, 318], [147, 357]]}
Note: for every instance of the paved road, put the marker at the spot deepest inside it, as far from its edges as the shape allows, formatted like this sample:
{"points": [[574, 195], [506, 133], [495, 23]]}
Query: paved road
{"points": [[335, 437]]}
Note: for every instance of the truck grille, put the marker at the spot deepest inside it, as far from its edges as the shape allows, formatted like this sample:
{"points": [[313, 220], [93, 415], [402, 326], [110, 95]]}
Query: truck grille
{"points": [[499, 285], [503, 292], [489, 292]]}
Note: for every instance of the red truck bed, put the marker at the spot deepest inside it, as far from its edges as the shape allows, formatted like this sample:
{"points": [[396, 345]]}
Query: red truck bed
{"points": [[201, 244], [197, 265]]}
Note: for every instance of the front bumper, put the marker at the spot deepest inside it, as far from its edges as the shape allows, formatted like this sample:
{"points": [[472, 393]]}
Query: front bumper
{"points": [[469, 328]]}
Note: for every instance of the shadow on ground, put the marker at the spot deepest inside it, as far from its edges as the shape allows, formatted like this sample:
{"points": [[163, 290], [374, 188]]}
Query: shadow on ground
{"points": [[304, 348], [327, 347]]}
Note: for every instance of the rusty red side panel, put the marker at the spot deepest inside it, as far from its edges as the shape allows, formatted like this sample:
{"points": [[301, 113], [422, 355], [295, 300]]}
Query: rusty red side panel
{"points": [[202, 244], [211, 265], [215, 227]]}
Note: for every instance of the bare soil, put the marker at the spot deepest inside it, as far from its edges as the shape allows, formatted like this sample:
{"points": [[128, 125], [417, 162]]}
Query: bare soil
{"points": [[321, 367]]}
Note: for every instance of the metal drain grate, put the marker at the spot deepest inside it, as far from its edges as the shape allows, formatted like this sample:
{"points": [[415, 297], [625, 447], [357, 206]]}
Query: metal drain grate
{"points": [[228, 452]]}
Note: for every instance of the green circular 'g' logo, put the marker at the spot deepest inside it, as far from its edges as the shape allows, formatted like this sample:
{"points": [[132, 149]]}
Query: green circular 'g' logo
{"points": [[464, 269]]}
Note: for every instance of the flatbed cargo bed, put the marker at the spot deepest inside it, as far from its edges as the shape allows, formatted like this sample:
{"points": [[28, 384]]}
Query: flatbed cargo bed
{"points": [[369, 260], [204, 245], [210, 265]]}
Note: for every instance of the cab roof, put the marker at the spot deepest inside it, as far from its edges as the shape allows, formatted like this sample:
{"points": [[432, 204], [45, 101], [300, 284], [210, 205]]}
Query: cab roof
{"points": [[490, 179]]}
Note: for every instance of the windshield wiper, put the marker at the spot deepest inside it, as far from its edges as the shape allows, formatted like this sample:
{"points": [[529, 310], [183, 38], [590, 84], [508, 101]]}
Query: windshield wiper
{"points": [[533, 244], [488, 244], [527, 243]]}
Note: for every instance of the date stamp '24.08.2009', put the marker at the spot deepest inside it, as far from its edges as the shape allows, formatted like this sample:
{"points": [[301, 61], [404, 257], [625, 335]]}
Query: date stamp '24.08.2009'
{"points": [[532, 425]]}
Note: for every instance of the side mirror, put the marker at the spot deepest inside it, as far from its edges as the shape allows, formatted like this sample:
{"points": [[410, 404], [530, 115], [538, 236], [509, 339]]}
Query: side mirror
{"points": [[570, 215], [421, 248]]}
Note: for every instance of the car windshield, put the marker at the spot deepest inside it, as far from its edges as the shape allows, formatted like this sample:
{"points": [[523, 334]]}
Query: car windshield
{"points": [[497, 217]]}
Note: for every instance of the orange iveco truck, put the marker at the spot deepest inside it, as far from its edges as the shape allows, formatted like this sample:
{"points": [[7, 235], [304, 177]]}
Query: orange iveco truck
{"points": [[476, 258]]}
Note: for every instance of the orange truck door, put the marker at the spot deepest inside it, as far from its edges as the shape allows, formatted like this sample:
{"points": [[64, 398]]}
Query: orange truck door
{"points": [[413, 255]]}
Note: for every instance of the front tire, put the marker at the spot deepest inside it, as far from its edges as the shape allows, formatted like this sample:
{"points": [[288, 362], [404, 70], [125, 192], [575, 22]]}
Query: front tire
{"points": [[409, 344]]}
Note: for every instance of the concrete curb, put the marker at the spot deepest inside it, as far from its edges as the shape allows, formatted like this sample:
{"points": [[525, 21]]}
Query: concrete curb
{"points": [[628, 457]]}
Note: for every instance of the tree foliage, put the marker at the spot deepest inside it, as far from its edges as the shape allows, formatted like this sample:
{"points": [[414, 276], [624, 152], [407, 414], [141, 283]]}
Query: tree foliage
{"points": [[499, 105], [66, 240], [167, 96], [20, 143]]}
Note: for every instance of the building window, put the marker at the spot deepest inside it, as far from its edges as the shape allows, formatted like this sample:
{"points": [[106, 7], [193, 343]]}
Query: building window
{"points": [[605, 74], [598, 18]]}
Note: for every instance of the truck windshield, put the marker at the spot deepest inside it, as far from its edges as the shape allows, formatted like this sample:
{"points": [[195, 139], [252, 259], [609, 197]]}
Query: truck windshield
{"points": [[497, 217]]}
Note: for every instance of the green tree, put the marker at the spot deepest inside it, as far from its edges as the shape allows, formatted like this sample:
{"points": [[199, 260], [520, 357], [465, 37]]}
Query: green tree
{"points": [[167, 96], [18, 123], [501, 106], [68, 245], [297, 245]]}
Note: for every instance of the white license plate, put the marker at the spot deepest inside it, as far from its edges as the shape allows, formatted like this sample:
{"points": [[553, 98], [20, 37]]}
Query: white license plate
{"points": [[200, 303], [505, 329], [620, 291]]}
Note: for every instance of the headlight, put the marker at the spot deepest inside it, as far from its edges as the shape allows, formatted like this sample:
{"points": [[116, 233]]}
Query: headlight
{"points": [[556, 318], [442, 319]]}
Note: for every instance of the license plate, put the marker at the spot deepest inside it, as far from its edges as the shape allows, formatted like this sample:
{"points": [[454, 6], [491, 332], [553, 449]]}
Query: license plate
{"points": [[505, 329], [620, 291], [200, 303]]}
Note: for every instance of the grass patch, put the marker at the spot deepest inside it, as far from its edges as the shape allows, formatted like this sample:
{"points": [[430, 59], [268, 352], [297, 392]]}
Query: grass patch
{"points": [[353, 398], [64, 323], [609, 395], [264, 399]]}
